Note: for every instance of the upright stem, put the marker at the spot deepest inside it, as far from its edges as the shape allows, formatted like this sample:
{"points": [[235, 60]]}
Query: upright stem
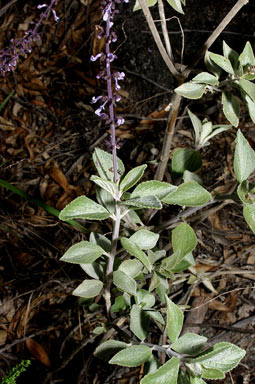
{"points": [[110, 96], [109, 269], [164, 29], [155, 34]]}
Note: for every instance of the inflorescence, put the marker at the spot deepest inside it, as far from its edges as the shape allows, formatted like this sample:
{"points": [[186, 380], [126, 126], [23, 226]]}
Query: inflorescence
{"points": [[21, 47], [107, 102]]}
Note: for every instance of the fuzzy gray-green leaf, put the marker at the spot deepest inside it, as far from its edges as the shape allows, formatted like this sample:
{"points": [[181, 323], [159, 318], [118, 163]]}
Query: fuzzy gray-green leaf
{"points": [[244, 158], [124, 282], [139, 322], [83, 208], [83, 252], [174, 320], [132, 177], [145, 239], [184, 239], [223, 356], [166, 374], [231, 108], [133, 249], [88, 289], [104, 164], [189, 344], [191, 90], [132, 356], [189, 194]]}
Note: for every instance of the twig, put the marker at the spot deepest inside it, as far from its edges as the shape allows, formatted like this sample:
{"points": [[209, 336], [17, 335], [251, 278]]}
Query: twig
{"points": [[164, 29], [155, 34]]}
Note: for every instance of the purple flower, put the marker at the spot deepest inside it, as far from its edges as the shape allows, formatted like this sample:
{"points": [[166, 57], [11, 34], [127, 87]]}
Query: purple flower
{"points": [[111, 57], [120, 120], [95, 99], [94, 58]]}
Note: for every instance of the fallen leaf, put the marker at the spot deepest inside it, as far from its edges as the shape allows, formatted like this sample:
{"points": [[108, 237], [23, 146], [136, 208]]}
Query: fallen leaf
{"points": [[38, 351]]}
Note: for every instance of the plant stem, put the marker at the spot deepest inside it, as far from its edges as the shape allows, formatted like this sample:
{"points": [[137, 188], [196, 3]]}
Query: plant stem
{"points": [[109, 269], [167, 142], [156, 36], [164, 29], [110, 96]]}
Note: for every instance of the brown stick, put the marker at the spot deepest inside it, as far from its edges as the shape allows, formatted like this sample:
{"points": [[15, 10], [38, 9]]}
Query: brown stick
{"points": [[156, 36]]}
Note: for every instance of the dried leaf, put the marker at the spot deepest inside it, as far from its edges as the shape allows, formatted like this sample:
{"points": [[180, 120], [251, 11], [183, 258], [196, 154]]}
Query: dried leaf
{"points": [[38, 351]]}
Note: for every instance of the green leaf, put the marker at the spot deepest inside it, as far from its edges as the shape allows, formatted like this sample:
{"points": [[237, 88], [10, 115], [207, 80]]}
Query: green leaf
{"points": [[247, 56], [83, 208], [133, 249], [145, 239], [174, 320], [132, 177], [191, 176], [145, 298], [82, 253], [205, 78], [104, 164], [167, 373], [222, 62], [169, 263], [131, 267], [88, 289], [109, 348], [197, 125], [183, 378], [119, 304], [189, 194], [196, 380], [177, 5], [232, 55], [250, 105], [94, 270], [244, 158], [186, 159], [223, 356], [248, 87], [189, 344], [150, 3], [105, 199], [246, 192], [132, 356], [153, 188], [231, 108], [155, 282], [144, 202], [155, 315], [186, 262], [212, 373], [124, 282], [101, 240], [184, 239], [191, 90], [109, 186], [151, 365], [249, 215], [211, 65], [216, 130], [139, 322]]}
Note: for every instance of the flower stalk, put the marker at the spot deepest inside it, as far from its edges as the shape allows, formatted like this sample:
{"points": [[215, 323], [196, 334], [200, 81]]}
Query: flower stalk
{"points": [[108, 101]]}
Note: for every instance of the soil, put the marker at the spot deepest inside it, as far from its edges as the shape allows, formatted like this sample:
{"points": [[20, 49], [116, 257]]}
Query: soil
{"points": [[48, 132]]}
